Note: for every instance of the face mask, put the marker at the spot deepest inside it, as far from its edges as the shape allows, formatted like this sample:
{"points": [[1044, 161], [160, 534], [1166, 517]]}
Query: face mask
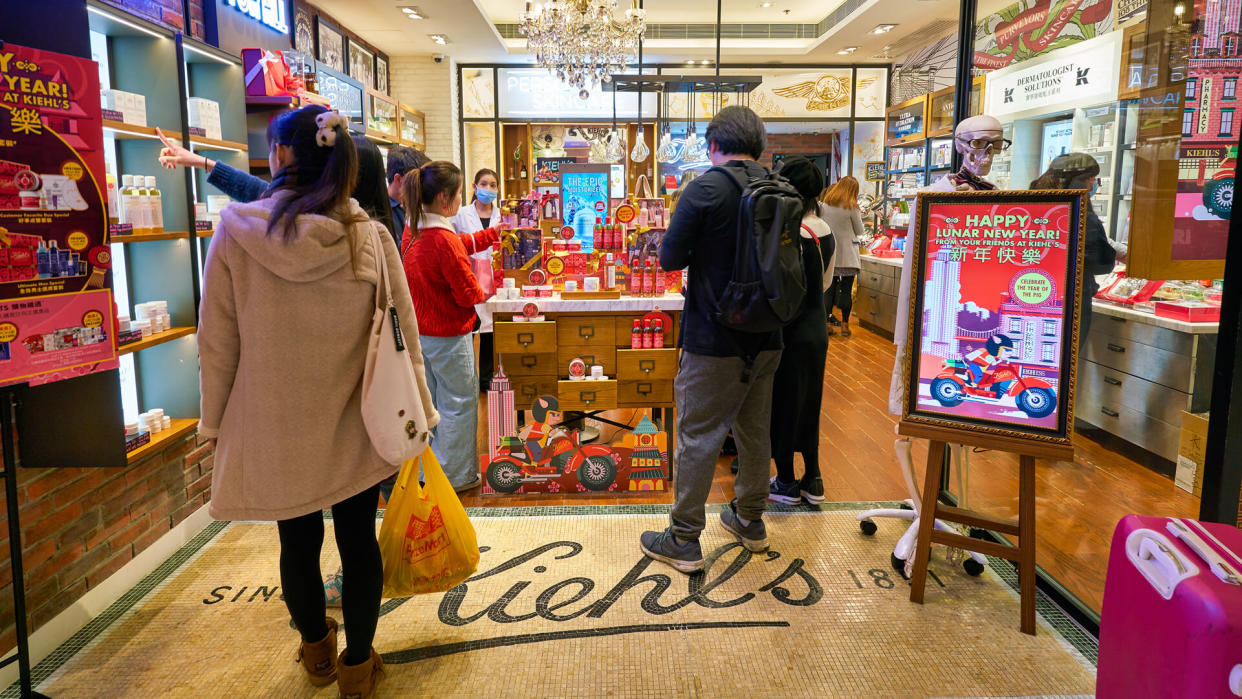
{"points": [[486, 196], [1095, 187]]}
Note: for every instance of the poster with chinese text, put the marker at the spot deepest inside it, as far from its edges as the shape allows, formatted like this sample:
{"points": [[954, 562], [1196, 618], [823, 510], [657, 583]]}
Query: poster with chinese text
{"points": [[56, 315], [584, 198], [994, 311]]}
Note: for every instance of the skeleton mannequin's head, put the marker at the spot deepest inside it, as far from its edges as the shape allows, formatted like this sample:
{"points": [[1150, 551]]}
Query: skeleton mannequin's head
{"points": [[978, 139]]}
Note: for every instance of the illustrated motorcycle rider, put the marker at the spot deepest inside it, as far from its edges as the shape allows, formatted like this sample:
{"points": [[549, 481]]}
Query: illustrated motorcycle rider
{"points": [[997, 349], [545, 410]]}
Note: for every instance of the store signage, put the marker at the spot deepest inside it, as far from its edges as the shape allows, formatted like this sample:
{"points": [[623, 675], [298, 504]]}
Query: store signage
{"points": [[584, 196], [548, 170], [1031, 28], [1205, 103], [273, 14], [535, 93], [993, 311], [1082, 75], [875, 171], [1127, 10], [56, 314]]}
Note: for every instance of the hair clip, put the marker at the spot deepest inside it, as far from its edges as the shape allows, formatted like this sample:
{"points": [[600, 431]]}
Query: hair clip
{"points": [[327, 123]]}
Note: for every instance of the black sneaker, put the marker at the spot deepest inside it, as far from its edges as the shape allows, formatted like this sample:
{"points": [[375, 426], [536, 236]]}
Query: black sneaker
{"points": [[813, 491], [661, 546], [784, 493], [832, 320], [753, 536]]}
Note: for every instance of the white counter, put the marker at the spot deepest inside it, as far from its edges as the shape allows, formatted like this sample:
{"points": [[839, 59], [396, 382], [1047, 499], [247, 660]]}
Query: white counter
{"points": [[890, 261], [1180, 326], [625, 304]]}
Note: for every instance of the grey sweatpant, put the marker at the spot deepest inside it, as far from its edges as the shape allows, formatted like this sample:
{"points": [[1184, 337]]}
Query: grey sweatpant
{"points": [[711, 399]]}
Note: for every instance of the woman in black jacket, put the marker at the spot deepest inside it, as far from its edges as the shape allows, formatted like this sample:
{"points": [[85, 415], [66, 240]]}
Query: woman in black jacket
{"points": [[1081, 171]]}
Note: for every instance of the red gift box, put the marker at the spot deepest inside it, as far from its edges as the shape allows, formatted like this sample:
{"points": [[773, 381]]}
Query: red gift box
{"points": [[267, 74], [21, 274], [19, 257], [1188, 311]]}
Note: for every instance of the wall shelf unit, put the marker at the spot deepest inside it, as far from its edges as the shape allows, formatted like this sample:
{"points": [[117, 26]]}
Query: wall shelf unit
{"points": [[150, 237], [180, 427], [155, 339]]}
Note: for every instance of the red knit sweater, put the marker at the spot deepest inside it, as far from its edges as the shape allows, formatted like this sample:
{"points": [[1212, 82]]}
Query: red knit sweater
{"points": [[442, 284]]}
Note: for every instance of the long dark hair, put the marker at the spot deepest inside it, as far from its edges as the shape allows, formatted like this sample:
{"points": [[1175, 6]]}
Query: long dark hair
{"points": [[806, 177], [421, 187], [480, 175], [371, 192], [320, 178]]}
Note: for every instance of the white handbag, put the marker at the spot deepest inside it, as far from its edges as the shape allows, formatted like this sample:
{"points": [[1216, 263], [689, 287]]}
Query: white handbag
{"points": [[392, 406]]}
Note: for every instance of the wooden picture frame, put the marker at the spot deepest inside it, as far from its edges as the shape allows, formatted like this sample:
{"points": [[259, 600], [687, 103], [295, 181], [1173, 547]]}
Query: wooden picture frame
{"points": [[974, 297], [331, 44], [361, 64], [381, 75]]}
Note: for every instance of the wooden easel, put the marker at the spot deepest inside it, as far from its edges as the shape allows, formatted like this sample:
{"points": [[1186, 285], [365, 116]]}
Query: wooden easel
{"points": [[1023, 527]]}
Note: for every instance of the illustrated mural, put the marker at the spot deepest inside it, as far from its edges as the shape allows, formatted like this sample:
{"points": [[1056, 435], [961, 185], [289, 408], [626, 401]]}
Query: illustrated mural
{"points": [[1031, 28]]}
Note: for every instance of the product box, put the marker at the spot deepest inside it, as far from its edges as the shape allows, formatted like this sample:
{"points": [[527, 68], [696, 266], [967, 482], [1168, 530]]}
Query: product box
{"points": [[128, 337], [131, 105], [266, 73], [1188, 311], [204, 114], [138, 440], [1190, 452]]}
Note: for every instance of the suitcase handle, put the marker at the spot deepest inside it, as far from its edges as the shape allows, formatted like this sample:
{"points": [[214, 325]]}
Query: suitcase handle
{"points": [[1215, 562], [1158, 560]]}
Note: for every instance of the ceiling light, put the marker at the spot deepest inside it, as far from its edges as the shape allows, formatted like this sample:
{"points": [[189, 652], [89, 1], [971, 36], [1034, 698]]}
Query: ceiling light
{"points": [[847, 50], [438, 38], [413, 13], [765, 4], [883, 29]]}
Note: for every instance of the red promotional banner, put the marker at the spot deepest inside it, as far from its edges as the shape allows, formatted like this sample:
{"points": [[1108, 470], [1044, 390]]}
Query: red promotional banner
{"points": [[992, 338], [56, 315], [1027, 29]]}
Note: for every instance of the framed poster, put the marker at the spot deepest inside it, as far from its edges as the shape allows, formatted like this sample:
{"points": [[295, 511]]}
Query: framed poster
{"points": [[993, 329], [331, 45], [584, 196], [361, 64], [548, 170], [303, 32], [875, 171], [381, 75]]}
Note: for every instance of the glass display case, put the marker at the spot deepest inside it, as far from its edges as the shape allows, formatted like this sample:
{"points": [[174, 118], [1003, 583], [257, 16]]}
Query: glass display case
{"points": [[413, 126], [381, 116]]}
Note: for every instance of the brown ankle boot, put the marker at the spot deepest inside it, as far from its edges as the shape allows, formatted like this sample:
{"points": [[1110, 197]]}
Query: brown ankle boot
{"points": [[358, 681], [319, 658]]}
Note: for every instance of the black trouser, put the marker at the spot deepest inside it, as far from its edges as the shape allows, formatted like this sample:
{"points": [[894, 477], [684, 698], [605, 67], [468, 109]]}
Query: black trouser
{"points": [[362, 572], [486, 360], [840, 294]]}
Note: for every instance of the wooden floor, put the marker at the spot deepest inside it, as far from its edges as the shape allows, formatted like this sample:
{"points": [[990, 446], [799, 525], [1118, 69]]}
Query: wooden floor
{"points": [[1078, 504]]}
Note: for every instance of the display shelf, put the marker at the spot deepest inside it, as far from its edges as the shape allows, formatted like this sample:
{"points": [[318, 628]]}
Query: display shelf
{"points": [[180, 427], [122, 130], [258, 163], [204, 143], [206, 234], [149, 237], [907, 171], [272, 101], [155, 339]]}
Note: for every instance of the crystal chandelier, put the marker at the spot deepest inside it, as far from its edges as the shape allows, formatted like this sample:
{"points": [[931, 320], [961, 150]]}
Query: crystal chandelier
{"points": [[580, 40]]}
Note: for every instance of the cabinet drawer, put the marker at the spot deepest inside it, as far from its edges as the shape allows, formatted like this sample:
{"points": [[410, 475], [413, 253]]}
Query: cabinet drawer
{"points": [[1156, 436], [646, 364], [527, 388], [870, 264], [641, 393], [1116, 389], [876, 308], [1136, 331], [525, 338], [530, 364], [592, 355], [587, 395], [574, 331], [1137, 359], [875, 282]]}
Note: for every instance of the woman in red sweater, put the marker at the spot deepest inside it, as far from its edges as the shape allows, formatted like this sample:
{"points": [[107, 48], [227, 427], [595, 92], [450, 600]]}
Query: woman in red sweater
{"points": [[445, 291]]}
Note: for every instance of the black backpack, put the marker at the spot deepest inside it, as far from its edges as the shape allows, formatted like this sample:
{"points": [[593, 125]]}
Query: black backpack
{"points": [[769, 282]]}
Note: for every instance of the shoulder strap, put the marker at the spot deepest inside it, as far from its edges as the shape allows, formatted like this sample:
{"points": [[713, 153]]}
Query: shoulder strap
{"points": [[381, 274]]}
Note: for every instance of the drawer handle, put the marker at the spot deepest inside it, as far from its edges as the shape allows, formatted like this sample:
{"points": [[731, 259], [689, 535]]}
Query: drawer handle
{"points": [[1115, 348], [529, 360], [528, 391], [874, 296], [1117, 320], [582, 395], [646, 365], [525, 339], [871, 313], [589, 359], [1110, 412], [646, 389], [586, 332], [1111, 380]]}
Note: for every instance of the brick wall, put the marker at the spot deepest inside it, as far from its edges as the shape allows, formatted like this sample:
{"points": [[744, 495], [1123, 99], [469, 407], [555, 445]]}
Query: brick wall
{"points": [[431, 88], [166, 12], [796, 143], [80, 525]]}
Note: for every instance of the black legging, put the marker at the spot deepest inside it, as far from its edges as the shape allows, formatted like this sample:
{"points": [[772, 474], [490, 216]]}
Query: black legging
{"points": [[840, 295], [362, 572]]}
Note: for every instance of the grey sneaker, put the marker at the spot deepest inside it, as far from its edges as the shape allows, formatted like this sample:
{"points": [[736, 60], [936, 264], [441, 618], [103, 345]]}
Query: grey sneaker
{"points": [[478, 480], [661, 546], [784, 493], [753, 536], [813, 492]]}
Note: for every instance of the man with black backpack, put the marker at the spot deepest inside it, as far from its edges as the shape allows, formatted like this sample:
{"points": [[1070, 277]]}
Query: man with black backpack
{"points": [[736, 228]]}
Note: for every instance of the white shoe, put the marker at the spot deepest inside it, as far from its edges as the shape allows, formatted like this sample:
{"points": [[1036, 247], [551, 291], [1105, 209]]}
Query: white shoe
{"points": [[478, 480]]}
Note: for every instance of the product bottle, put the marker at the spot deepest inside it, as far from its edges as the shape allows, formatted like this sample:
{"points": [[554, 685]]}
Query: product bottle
{"points": [[583, 218], [658, 342], [53, 259], [648, 335], [156, 203], [659, 281], [618, 235], [64, 258], [636, 336], [610, 273], [649, 279], [525, 172], [44, 268], [142, 206], [598, 233], [114, 199], [127, 197], [642, 214], [636, 279]]}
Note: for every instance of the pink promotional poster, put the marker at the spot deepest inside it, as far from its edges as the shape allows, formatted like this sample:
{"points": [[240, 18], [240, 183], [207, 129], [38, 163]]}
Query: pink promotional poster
{"points": [[993, 335]]}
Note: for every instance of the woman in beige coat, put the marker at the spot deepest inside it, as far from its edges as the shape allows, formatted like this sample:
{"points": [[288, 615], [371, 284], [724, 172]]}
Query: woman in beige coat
{"points": [[288, 298]]}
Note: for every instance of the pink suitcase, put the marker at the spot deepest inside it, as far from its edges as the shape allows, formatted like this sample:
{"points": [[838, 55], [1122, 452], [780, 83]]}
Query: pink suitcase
{"points": [[1171, 626]]}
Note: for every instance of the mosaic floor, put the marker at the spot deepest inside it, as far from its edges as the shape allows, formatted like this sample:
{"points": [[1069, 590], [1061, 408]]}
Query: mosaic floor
{"points": [[567, 606]]}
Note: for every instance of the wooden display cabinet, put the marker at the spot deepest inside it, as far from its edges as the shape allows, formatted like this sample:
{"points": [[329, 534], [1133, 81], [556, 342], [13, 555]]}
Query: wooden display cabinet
{"points": [[515, 139], [382, 117], [413, 127]]}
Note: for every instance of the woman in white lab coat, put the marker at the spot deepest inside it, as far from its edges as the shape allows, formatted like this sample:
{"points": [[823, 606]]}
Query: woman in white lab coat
{"points": [[479, 214]]}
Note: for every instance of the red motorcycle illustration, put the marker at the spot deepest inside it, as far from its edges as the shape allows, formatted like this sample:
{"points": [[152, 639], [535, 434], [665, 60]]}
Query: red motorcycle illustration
{"points": [[1033, 396], [594, 464]]}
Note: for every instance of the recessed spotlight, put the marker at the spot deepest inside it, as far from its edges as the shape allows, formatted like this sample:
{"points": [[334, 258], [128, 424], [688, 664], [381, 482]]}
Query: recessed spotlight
{"points": [[766, 4], [883, 29], [438, 38], [847, 50], [690, 62], [413, 13]]}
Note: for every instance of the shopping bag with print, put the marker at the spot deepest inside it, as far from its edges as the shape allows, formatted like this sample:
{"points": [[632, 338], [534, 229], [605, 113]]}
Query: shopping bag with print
{"points": [[427, 541]]}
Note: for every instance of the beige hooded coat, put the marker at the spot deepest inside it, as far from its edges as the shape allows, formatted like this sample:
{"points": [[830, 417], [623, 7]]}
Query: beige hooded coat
{"points": [[283, 334]]}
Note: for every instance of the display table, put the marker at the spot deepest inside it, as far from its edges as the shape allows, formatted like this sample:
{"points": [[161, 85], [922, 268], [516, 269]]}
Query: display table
{"points": [[536, 355], [1140, 372], [875, 302]]}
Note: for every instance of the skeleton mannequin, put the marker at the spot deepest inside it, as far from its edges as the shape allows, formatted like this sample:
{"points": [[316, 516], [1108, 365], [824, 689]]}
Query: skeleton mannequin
{"points": [[977, 139]]}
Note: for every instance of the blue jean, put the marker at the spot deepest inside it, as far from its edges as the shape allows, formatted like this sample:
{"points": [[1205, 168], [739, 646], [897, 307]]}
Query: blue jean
{"points": [[454, 384]]}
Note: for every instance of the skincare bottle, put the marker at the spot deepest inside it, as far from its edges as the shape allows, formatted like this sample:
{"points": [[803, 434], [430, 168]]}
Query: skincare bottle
{"points": [[636, 279], [649, 279], [636, 335], [114, 199], [127, 199], [648, 336], [42, 263], [53, 259], [64, 263], [610, 273], [642, 214], [156, 205], [659, 281], [658, 342], [597, 236]]}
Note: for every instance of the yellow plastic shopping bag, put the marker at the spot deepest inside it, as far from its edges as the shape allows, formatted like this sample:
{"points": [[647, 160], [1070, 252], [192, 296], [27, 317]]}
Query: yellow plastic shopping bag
{"points": [[426, 540]]}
